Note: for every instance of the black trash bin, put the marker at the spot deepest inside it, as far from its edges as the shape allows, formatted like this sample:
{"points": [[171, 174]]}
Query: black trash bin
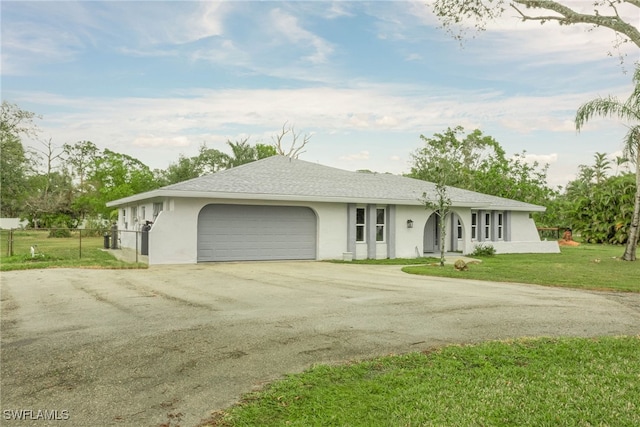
{"points": [[144, 246], [106, 240]]}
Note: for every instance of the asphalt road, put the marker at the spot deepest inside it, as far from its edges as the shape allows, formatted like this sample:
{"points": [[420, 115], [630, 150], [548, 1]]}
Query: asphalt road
{"points": [[172, 344]]}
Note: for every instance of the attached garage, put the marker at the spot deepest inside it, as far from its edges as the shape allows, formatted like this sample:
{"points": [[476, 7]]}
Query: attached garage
{"points": [[252, 233]]}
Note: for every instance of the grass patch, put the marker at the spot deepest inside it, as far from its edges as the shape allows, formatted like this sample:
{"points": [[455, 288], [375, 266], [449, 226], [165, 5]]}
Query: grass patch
{"points": [[586, 266], [532, 382], [55, 252]]}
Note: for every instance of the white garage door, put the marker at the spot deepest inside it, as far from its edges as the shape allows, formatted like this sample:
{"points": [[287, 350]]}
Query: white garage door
{"points": [[244, 233]]}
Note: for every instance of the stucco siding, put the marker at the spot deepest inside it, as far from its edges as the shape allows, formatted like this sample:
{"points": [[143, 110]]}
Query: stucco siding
{"points": [[531, 247], [173, 237], [169, 244], [523, 228]]}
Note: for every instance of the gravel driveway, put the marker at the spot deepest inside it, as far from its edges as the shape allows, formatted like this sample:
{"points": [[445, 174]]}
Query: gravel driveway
{"points": [[173, 343]]}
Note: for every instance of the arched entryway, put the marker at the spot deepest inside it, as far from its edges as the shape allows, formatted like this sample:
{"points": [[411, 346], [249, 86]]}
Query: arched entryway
{"points": [[431, 240]]}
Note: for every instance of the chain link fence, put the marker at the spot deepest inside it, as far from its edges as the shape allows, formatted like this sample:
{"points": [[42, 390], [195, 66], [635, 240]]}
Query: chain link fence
{"points": [[65, 243]]}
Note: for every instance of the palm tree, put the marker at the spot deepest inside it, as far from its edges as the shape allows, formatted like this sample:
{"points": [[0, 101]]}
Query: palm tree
{"points": [[628, 110]]}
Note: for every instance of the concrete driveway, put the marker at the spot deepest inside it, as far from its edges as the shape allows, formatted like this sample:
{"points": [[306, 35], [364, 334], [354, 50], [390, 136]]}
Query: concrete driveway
{"points": [[172, 344]]}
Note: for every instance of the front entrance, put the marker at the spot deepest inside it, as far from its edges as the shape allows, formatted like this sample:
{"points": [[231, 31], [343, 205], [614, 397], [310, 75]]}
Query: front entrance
{"points": [[431, 242]]}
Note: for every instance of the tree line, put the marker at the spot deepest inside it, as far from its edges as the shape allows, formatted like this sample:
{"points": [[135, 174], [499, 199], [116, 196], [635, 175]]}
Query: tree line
{"points": [[60, 186], [63, 185]]}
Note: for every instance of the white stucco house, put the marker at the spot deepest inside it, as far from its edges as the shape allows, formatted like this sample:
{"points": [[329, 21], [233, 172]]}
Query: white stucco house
{"points": [[280, 208]]}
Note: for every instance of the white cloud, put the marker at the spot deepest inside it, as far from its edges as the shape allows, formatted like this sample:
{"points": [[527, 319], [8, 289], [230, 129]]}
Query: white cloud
{"points": [[287, 25], [362, 155], [151, 141], [542, 159]]}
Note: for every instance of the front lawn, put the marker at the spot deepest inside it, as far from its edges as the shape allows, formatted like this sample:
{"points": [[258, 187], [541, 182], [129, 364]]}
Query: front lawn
{"points": [[529, 382], [586, 266], [73, 252]]}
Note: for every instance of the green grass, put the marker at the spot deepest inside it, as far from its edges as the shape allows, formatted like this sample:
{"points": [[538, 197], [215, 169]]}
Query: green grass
{"points": [[586, 266], [531, 382], [56, 252]]}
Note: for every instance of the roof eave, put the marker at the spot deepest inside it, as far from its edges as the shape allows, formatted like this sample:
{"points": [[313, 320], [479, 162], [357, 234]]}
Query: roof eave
{"points": [[301, 198]]}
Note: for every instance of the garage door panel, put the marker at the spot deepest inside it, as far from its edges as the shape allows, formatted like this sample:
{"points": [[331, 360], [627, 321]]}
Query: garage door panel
{"points": [[243, 232]]}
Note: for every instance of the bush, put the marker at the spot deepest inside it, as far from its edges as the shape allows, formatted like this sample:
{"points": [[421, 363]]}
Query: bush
{"points": [[483, 250], [60, 232], [95, 227]]}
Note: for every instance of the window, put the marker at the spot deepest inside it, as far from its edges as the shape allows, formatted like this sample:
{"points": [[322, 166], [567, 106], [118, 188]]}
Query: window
{"points": [[380, 225], [157, 208], [459, 228], [134, 214], [143, 215], [487, 226], [500, 225], [474, 225], [360, 223]]}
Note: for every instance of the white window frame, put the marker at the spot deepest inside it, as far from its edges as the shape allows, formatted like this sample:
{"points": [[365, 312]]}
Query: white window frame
{"points": [[361, 226], [474, 225], [459, 229], [487, 226], [157, 208], [500, 227], [380, 224]]}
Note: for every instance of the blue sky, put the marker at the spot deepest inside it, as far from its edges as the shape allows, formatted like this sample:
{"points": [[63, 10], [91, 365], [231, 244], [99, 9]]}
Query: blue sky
{"points": [[154, 79]]}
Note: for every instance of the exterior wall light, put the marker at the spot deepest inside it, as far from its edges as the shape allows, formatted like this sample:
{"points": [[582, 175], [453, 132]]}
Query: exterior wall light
{"points": [[409, 223]]}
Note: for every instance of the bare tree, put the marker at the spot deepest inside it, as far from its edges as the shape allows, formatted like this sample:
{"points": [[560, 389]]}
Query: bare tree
{"points": [[51, 153], [296, 146], [602, 13]]}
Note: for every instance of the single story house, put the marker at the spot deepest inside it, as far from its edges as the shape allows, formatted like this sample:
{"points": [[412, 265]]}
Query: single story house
{"points": [[281, 208]]}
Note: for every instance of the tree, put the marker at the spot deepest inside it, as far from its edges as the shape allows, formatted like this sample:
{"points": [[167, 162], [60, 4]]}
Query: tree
{"points": [[241, 153], [80, 157], [50, 200], [296, 146], [602, 13], [628, 110], [14, 166], [441, 206], [114, 176], [600, 167], [478, 163], [15, 161], [15, 121]]}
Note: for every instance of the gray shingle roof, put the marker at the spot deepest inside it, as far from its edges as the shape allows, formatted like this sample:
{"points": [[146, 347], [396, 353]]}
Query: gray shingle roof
{"points": [[283, 178]]}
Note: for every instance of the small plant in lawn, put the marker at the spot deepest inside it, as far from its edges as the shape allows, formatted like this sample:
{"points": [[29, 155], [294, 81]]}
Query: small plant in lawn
{"points": [[483, 250]]}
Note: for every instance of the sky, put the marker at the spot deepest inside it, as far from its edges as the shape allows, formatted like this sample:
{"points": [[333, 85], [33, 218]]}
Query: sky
{"points": [[363, 80]]}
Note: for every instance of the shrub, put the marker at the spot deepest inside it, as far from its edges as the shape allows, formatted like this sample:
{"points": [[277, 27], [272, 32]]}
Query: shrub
{"points": [[95, 227], [62, 231], [483, 250]]}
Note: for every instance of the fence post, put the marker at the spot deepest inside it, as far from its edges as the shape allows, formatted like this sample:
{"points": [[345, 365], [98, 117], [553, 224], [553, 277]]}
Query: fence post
{"points": [[80, 242], [137, 232], [10, 243]]}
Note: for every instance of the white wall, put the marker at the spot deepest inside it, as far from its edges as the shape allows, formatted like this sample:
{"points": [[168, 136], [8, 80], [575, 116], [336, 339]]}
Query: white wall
{"points": [[174, 235], [530, 247], [9, 223], [523, 228]]}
